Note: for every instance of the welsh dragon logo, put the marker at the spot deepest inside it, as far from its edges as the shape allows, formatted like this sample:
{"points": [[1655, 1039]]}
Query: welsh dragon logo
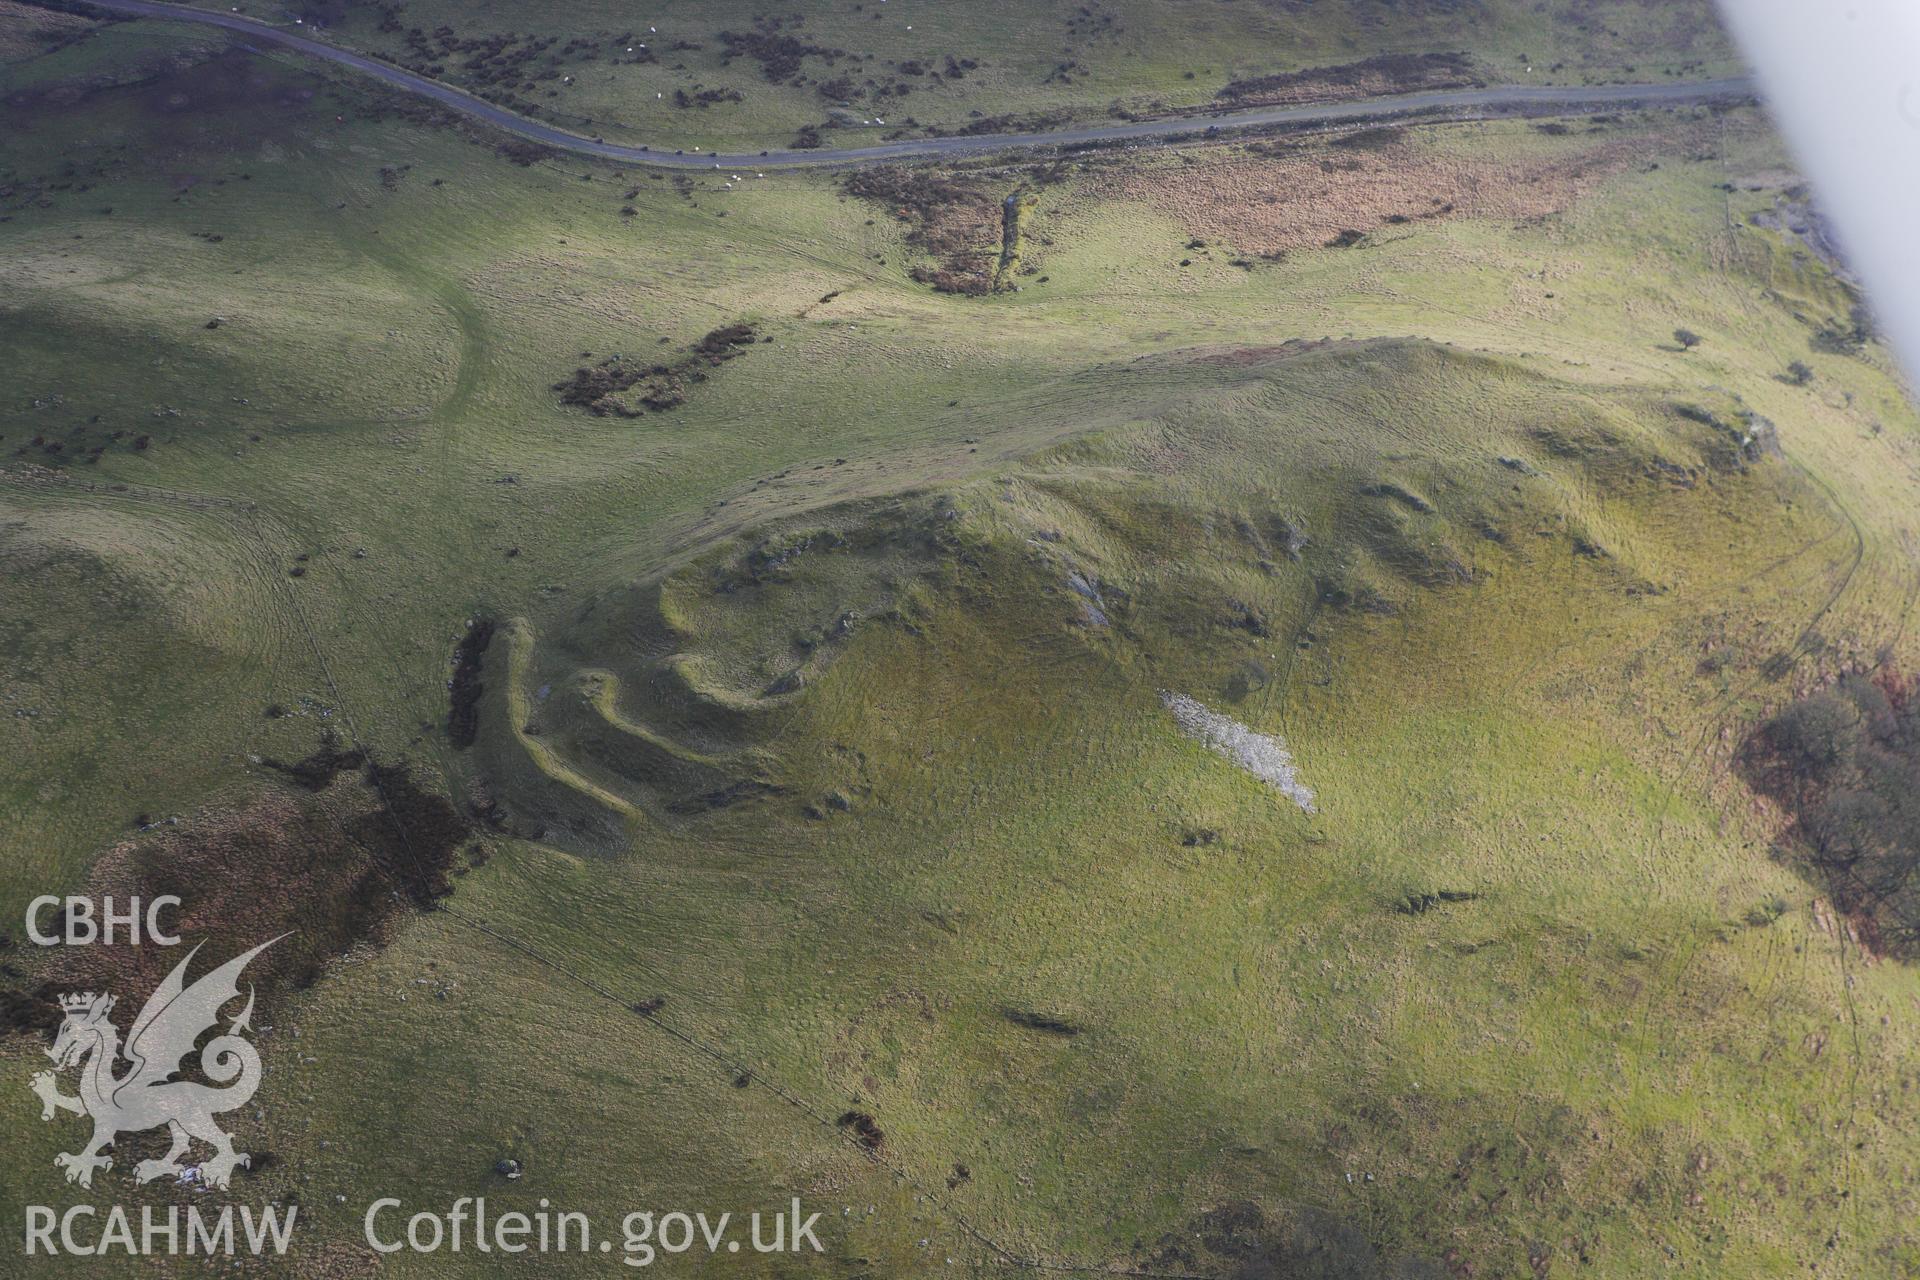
{"points": [[146, 1095]]}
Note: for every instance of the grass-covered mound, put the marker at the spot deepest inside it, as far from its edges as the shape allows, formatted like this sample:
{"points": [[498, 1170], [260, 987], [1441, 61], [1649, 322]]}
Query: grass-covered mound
{"points": [[1221, 540], [936, 730]]}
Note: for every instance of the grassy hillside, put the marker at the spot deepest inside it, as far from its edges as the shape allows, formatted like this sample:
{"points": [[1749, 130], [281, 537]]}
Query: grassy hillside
{"points": [[832, 706], [735, 75]]}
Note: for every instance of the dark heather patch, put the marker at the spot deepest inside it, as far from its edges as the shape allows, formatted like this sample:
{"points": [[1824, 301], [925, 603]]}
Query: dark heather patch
{"points": [[1039, 1022], [864, 1129], [465, 688]]}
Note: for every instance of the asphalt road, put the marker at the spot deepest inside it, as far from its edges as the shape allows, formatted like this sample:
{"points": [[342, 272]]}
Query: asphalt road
{"points": [[1539, 98]]}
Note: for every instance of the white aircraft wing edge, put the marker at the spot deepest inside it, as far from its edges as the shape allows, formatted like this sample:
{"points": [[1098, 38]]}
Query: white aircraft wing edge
{"points": [[1842, 81]]}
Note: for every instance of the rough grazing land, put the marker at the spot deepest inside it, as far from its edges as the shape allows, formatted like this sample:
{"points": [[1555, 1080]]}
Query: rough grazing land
{"points": [[796, 781], [26, 30], [734, 74]]}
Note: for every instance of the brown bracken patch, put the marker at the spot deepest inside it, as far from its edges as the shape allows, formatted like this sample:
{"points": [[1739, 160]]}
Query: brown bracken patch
{"points": [[956, 221], [1271, 198], [332, 862]]}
